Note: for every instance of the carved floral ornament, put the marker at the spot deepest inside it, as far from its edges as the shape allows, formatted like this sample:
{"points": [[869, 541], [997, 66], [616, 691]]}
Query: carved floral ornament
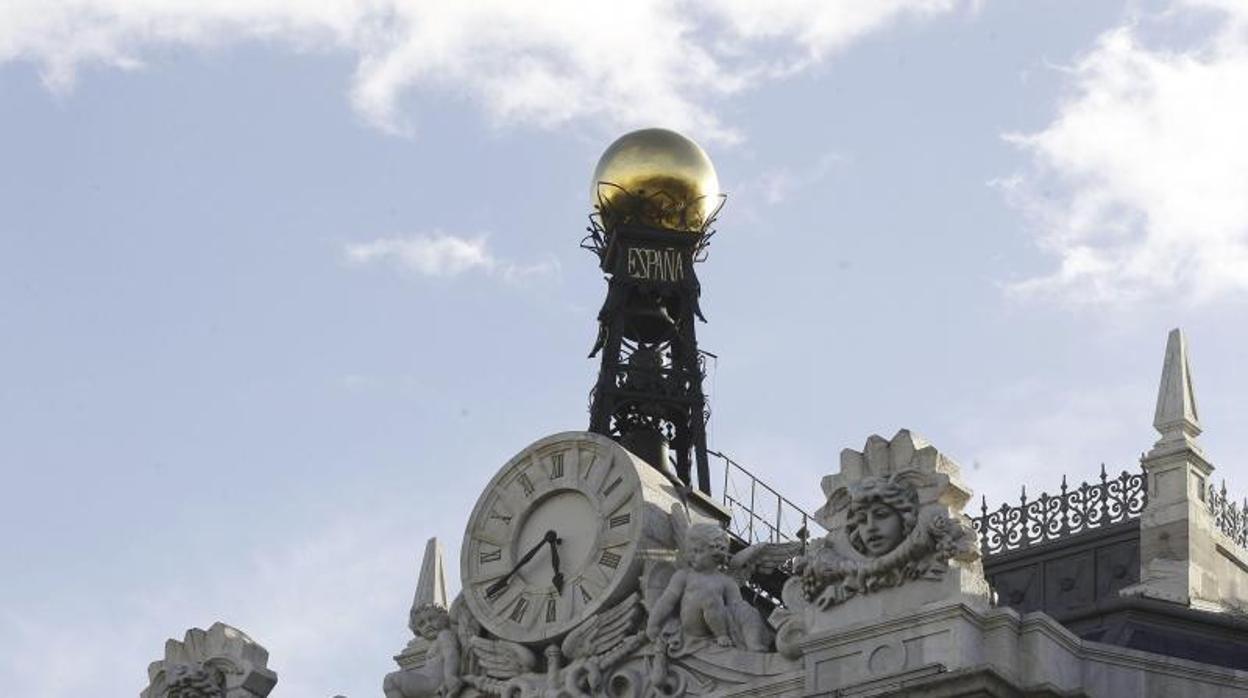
{"points": [[890, 538], [894, 516], [221, 662]]}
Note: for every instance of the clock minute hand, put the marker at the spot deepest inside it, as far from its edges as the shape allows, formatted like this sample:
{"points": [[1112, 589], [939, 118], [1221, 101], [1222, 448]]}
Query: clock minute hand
{"points": [[501, 584]]}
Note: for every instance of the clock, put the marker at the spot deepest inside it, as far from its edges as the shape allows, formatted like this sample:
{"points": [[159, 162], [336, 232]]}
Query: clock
{"points": [[563, 531]]}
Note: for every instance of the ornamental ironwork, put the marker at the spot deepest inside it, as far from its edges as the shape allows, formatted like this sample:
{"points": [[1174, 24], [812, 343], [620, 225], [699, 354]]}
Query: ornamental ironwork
{"points": [[618, 207], [1230, 517], [760, 514], [649, 394], [1051, 517]]}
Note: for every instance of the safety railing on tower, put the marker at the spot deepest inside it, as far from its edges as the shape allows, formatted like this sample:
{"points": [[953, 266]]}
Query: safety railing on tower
{"points": [[760, 514]]}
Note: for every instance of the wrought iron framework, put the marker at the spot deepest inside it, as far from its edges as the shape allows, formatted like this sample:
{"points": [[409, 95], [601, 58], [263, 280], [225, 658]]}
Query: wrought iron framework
{"points": [[649, 387], [1230, 517], [760, 514], [1051, 517]]}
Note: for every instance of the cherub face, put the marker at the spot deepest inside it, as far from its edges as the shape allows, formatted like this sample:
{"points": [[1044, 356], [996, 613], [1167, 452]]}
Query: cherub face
{"points": [[879, 527], [427, 622], [708, 549]]}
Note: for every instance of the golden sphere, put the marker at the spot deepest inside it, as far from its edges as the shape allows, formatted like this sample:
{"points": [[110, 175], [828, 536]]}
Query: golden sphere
{"points": [[657, 178]]}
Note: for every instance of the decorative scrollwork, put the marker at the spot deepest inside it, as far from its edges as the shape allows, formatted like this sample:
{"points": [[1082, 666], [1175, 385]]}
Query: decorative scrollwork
{"points": [[617, 206], [1086, 507], [1230, 517]]}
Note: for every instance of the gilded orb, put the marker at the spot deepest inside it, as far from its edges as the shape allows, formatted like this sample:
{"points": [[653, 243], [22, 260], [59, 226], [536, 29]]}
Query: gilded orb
{"points": [[657, 178]]}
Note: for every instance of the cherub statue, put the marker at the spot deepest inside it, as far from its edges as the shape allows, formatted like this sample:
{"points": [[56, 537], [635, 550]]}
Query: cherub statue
{"points": [[439, 676], [706, 589]]}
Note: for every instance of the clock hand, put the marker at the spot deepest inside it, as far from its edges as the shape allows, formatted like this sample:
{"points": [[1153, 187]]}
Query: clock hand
{"points": [[501, 584], [557, 580]]}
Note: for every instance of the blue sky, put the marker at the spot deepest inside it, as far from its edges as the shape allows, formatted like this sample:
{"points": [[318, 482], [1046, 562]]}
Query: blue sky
{"points": [[282, 284]]}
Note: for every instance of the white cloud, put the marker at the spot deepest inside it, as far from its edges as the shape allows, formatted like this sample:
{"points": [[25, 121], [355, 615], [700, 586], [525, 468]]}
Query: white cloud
{"points": [[443, 255], [432, 255], [619, 64], [1139, 186], [778, 185]]}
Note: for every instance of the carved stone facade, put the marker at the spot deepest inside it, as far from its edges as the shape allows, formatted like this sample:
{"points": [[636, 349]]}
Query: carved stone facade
{"points": [[897, 540], [683, 629], [220, 662], [892, 601]]}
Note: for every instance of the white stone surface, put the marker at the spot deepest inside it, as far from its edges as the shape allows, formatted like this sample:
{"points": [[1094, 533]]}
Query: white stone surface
{"points": [[897, 542], [431, 583], [1030, 652], [1184, 558], [220, 662], [1176, 417]]}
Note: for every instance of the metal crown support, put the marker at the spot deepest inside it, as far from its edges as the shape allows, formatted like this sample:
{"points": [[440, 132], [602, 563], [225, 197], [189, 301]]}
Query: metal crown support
{"points": [[649, 394]]}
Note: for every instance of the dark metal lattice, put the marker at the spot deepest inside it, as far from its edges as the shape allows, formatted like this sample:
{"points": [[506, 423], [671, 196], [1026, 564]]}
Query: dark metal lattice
{"points": [[1050, 517], [1231, 517]]}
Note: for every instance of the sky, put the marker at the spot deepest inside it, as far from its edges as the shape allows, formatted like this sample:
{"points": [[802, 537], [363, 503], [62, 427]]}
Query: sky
{"points": [[283, 283]]}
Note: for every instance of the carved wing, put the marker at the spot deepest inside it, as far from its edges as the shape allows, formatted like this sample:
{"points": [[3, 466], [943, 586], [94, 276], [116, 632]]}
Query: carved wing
{"points": [[654, 580], [763, 558], [604, 631], [680, 525], [501, 659]]}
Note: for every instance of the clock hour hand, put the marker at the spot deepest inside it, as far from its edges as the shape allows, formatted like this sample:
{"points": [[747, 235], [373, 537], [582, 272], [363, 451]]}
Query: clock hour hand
{"points": [[501, 584], [557, 580]]}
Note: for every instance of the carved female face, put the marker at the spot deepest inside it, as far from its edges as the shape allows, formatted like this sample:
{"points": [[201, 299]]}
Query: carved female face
{"points": [[880, 528], [882, 512]]}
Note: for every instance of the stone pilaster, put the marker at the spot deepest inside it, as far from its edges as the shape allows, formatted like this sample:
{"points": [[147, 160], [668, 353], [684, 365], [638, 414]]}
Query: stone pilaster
{"points": [[1177, 549]]}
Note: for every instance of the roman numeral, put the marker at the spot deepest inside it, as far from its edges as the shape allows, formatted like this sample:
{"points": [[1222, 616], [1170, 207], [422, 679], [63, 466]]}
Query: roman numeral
{"points": [[501, 517], [556, 466], [621, 520], [517, 611], [610, 488], [609, 559], [526, 484], [492, 556], [551, 613], [492, 593]]}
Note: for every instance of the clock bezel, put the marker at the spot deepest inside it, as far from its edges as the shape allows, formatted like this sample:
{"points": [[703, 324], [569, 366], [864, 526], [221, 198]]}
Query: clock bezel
{"points": [[622, 540]]}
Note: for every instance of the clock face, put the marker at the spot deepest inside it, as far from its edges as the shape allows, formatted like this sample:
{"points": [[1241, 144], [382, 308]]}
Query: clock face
{"points": [[585, 489]]}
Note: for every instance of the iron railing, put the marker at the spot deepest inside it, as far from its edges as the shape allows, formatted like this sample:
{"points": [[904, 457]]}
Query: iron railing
{"points": [[1050, 517], [760, 513], [1231, 517]]}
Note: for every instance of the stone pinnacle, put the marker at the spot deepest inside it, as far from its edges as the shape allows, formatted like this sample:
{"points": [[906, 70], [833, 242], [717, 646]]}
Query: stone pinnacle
{"points": [[1177, 418], [431, 587]]}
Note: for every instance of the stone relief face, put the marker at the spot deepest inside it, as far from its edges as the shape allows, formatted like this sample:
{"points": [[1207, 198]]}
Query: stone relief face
{"points": [[708, 547], [880, 528], [881, 514], [427, 622]]}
